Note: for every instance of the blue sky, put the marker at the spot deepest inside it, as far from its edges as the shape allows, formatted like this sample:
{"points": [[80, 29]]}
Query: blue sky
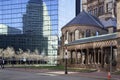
{"points": [[66, 12]]}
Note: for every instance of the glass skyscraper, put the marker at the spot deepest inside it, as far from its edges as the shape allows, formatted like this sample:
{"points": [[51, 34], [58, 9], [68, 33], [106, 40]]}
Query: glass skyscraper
{"points": [[36, 22]]}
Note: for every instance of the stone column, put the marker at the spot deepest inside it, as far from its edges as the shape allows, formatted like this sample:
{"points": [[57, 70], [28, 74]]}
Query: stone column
{"points": [[78, 57], [71, 57], [76, 60], [118, 57], [115, 54], [91, 58], [102, 56], [83, 57], [105, 53], [98, 57], [94, 56], [88, 57]]}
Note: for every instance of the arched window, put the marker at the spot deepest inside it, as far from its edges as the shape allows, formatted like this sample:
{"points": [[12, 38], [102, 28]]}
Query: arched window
{"points": [[67, 35], [81, 35], [76, 34], [97, 33], [71, 36], [87, 33]]}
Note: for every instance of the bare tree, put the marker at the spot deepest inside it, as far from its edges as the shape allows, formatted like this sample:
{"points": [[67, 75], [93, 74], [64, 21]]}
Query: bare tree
{"points": [[9, 52], [1, 52]]}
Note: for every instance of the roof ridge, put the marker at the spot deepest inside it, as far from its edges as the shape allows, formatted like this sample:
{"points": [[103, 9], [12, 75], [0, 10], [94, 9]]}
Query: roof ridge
{"points": [[91, 16], [86, 19]]}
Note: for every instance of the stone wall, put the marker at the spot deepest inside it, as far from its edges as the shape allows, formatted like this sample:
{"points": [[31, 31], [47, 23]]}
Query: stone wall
{"points": [[93, 4], [118, 33], [82, 29]]}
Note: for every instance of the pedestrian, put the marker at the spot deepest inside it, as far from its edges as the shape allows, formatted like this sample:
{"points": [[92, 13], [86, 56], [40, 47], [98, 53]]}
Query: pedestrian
{"points": [[1, 63]]}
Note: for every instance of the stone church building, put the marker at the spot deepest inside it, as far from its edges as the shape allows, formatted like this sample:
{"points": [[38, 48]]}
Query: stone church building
{"points": [[93, 36]]}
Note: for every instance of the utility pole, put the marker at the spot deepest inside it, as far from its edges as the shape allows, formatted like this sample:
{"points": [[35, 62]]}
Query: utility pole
{"points": [[66, 56], [110, 71], [111, 59]]}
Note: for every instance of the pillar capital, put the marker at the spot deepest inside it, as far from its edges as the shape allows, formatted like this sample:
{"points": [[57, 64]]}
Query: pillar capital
{"points": [[101, 47], [75, 49]]}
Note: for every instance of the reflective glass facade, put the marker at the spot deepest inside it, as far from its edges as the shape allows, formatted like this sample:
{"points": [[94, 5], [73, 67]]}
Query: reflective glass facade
{"points": [[29, 24]]}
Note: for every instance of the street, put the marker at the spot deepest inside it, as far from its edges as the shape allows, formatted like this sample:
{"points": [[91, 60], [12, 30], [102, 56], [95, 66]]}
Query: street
{"points": [[20, 75]]}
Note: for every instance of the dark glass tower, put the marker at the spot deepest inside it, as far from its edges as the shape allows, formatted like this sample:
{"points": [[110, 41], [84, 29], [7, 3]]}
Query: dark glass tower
{"points": [[78, 7]]}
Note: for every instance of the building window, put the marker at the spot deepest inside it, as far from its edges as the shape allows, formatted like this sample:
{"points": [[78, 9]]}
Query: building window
{"points": [[81, 35], [97, 33], [67, 35], [87, 33], [76, 34], [90, 10], [96, 11], [109, 7], [101, 10], [71, 36]]}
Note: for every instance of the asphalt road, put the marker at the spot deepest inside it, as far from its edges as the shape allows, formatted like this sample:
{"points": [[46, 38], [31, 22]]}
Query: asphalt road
{"points": [[20, 75]]}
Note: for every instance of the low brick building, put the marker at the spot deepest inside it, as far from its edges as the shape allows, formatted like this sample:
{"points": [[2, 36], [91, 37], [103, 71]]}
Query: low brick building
{"points": [[90, 43]]}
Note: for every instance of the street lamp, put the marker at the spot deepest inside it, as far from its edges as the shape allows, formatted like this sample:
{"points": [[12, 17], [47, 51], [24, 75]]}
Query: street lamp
{"points": [[24, 60], [66, 56], [111, 47], [3, 60], [13, 61]]}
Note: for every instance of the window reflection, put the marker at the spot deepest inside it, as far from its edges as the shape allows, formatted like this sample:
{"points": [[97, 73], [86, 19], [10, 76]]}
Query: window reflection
{"points": [[36, 20]]}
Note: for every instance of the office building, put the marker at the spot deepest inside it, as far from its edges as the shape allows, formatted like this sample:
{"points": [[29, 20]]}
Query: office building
{"points": [[38, 22], [4, 29]]}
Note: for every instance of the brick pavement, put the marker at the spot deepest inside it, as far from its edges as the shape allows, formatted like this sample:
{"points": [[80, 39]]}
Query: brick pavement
{"points": [[92, 74]]}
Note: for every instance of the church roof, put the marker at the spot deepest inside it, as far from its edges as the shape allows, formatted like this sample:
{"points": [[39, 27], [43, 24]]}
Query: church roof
{"points": [[86, 19], [94, 39], [109, 23]]}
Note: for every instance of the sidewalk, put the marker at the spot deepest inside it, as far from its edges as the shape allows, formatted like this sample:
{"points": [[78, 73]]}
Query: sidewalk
{"points": [[103, 75], [99, 75]]}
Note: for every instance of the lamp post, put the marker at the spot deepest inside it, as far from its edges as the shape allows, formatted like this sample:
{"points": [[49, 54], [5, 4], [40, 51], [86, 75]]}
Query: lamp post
{"points": [[110, 63], [111, 59], [24, 60], [3, 61], [66, 57], [13, 61]]}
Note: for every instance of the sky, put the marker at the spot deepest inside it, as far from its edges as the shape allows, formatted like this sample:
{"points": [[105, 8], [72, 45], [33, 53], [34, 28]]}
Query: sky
{"points": [[66, 12]]}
